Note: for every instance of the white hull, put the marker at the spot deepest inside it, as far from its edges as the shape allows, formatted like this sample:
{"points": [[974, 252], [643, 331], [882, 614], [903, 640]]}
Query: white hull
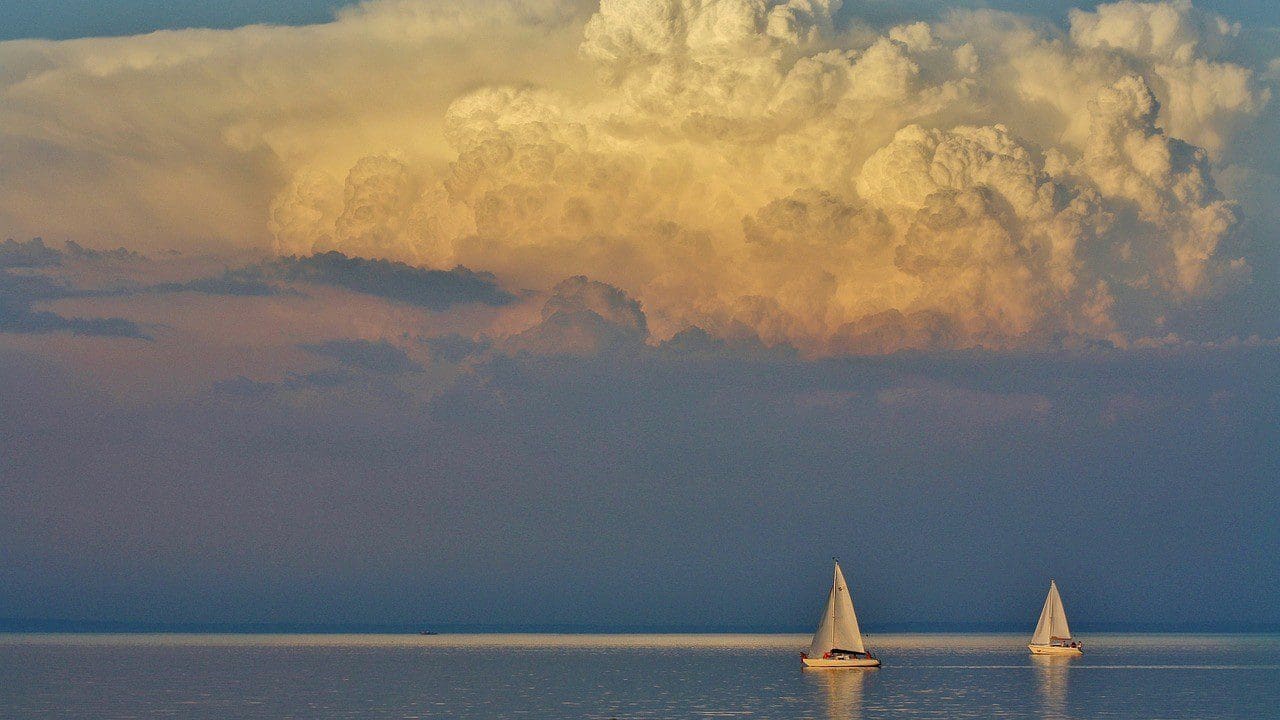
{"points": [[838, 664], [1054, 650]]}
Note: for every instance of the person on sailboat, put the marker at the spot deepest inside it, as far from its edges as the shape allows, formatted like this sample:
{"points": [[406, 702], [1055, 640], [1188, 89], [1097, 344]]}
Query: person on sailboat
{"points": [[840, 654]]}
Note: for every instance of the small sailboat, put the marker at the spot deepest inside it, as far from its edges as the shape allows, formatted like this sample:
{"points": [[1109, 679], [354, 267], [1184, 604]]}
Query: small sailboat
{"points": [[1052, 636], [837, 643]]}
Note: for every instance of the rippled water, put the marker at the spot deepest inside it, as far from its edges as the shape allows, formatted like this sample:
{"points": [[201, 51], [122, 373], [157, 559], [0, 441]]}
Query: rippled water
{"points": [[628, 676]]}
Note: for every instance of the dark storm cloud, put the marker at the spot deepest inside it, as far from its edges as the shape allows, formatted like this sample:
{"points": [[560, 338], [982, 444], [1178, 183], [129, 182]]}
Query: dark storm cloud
{"points": [[585, 317], [76, 250], [695, 341], [35, 253], [421, 287], [957, 482], [454, 348], [230, 283], [20, 291], [31, 254], [19, 294], [379, 357], [47, 322]]}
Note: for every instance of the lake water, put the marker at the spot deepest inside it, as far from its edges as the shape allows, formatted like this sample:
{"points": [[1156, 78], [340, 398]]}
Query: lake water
{"points": [[229, 677]]}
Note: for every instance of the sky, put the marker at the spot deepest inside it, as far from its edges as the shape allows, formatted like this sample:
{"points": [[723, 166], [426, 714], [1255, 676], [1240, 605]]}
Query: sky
{"points": [[632, 314], [63, 19]]}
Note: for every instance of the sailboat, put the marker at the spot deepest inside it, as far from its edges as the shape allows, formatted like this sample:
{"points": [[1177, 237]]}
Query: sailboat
{"points": [[837, 643], [1052, 636]]}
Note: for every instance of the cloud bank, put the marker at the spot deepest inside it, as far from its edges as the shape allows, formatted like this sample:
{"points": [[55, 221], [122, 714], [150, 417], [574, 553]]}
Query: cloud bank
{"points": [[23, 288], [422, 287], [759, 169], [379, 357]]}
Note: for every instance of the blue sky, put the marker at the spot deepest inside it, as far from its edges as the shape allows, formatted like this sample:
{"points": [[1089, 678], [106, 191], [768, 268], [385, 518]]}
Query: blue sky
{"points": [[563, 314], [61, 19]]}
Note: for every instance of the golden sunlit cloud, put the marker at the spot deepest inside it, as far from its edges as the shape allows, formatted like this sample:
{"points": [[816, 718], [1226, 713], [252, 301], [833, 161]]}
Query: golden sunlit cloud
{"points": [[753, 168]]}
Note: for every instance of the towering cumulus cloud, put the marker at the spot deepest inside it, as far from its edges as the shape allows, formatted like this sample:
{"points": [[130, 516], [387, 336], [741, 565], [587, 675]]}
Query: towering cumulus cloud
{"points": [[780, 169]]}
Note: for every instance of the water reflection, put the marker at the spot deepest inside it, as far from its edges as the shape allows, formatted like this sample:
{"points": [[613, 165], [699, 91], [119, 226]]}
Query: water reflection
{"points": [[841, 690], [1051, 681]]}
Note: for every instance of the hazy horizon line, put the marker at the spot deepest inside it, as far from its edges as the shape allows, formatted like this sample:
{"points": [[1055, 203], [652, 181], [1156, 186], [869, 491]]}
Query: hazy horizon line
{"points": [[45, 625]]}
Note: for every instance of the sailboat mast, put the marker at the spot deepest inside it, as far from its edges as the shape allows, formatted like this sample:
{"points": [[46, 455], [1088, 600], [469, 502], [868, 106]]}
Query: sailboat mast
{"points": [[1051, 585], [835, 606]]}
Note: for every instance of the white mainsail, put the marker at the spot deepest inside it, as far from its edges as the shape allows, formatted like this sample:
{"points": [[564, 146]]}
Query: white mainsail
{"points": [[1053, 619], [838, 628]]}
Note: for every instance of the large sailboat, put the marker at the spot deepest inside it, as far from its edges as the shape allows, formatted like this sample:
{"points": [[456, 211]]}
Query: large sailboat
{"points": [[838, 641], [1052, 636]]}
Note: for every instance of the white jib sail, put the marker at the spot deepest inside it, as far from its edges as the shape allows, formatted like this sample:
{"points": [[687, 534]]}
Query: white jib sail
{"points": [[839, 626], [1053, 619]]}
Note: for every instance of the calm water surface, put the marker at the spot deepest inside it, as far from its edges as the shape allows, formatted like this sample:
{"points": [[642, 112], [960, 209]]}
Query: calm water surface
{"points": [[631, 676]]}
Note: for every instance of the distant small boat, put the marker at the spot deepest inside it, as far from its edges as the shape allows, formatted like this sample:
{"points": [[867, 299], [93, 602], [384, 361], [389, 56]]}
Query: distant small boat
{"points": [[837, 643], [428, 632], [1052, 636]]}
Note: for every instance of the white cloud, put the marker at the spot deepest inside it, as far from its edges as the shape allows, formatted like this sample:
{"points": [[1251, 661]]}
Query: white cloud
{"points": [[984, 179]]}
